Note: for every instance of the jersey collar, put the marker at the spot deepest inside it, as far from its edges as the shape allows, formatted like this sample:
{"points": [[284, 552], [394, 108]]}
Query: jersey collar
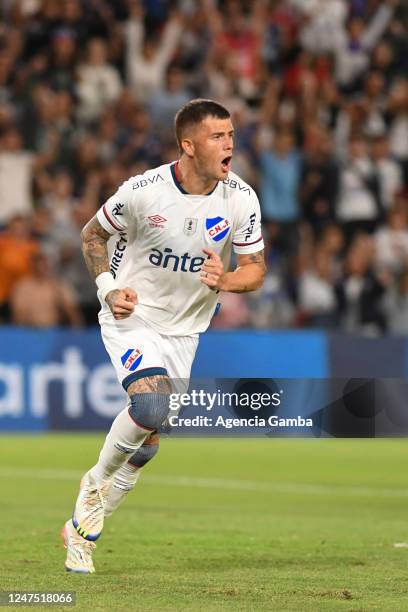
{"points": [[175, 173]]}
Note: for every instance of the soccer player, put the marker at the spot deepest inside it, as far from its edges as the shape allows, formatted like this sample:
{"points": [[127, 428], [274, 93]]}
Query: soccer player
{"points": [[174, 229]]}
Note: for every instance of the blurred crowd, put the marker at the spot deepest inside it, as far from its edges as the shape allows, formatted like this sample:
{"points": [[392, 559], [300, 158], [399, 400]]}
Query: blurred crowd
{"points": [[318, 91]]}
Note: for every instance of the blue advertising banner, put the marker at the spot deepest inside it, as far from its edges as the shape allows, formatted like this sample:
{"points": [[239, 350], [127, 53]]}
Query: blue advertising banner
{"points": [[56, 379], [257, 354]]}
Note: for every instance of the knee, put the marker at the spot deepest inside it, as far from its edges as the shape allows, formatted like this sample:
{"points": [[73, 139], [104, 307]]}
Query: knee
{"points": [[149, 402]]}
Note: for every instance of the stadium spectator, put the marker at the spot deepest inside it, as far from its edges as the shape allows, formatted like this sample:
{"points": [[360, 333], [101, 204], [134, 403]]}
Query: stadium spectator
{"points": [[86, 161], [108, 137], [6, 78], [359, 206], [319, 178], [98, 83], [396, 306], [280, 173], [17, 250], [195, 45], [360, 292], [147, 57], [62, 63], [323, 22], [391, 242], [237, 37], [398, 123], [352, 48], [16, 176], [388, 170], [316, 295], [60, 198], [165, 102], [332, 241], [51, 302]]}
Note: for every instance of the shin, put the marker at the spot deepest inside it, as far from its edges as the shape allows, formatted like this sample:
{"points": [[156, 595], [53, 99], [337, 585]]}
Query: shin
{"points": [[127, 476]]}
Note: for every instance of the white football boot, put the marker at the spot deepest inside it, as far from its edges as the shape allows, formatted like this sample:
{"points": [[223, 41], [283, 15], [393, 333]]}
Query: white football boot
{"points": [[89, 508], [79, 550]]}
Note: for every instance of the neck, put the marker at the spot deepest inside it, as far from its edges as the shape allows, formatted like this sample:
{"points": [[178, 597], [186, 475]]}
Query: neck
{"points": [[191, 180]]}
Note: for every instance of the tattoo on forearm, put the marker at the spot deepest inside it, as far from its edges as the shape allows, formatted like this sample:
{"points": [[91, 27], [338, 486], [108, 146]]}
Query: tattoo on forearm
{"points": [[94, 247], [256, 276], [257, 257]]}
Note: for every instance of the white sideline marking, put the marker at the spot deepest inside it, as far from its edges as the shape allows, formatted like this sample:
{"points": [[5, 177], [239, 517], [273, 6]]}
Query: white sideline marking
{"points": [[215, 483]]}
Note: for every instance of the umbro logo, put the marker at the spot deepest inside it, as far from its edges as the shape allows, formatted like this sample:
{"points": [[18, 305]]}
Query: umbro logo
{"points": [[156, 221]]}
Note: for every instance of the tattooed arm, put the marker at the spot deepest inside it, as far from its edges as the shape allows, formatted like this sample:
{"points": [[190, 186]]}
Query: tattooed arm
{"points": [[248, 275], [94, 247], [95, 250]]}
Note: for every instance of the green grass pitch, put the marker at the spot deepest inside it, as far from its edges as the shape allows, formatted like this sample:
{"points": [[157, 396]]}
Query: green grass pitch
{"points": [[217, 525]]}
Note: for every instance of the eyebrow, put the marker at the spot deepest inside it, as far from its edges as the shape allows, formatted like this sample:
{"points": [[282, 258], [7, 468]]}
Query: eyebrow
{"points": [[222, 133]]}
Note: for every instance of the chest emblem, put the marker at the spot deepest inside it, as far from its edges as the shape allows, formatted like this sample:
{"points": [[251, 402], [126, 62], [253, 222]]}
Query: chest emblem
{"points": [[217, 228], [190, 226]]}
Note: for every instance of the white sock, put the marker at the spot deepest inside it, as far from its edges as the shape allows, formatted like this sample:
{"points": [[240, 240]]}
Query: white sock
{"points": [[124, 481], [122, 441]]}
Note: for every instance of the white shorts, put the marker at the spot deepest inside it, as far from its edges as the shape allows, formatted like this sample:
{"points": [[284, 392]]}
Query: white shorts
{"points": [[136, 350]]}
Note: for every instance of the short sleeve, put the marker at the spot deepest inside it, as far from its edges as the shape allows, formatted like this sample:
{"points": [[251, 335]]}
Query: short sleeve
{"points": [[248, 237], [116, 213]]}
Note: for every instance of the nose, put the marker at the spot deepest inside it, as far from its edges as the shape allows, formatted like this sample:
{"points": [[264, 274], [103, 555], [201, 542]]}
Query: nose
{"points": [[229, 144]]}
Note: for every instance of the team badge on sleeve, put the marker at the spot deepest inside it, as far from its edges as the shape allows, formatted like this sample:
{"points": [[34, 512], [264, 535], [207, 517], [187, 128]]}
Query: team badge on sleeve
{"points": [[217, 228], [131, 359]]}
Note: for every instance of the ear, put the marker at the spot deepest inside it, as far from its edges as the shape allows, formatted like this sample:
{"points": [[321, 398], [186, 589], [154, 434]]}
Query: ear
{"points": [[187, 147]]}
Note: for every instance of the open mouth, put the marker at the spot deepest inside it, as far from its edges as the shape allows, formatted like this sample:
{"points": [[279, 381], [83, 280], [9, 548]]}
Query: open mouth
{"points": [[226, 163]]}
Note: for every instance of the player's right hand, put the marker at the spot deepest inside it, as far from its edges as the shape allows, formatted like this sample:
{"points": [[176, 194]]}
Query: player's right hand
{"points": [[121, 302]]}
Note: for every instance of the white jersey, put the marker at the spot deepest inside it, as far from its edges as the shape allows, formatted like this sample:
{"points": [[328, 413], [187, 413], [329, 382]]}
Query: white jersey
{"points": [[161, 232]]}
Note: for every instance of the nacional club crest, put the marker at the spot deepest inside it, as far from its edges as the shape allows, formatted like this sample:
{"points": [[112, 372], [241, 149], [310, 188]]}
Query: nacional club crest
{"points": [[190, 226], [217, 228], [131, 359]]}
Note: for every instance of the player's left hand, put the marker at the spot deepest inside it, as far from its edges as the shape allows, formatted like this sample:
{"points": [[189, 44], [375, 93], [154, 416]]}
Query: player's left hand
{"points": [[212, 272]]}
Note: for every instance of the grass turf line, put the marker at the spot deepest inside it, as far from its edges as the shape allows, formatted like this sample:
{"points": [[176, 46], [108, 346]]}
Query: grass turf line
{"points": [[313, 530]]}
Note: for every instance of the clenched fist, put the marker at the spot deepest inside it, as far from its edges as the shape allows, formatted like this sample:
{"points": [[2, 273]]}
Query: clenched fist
{"points": [[212, 272], [122, 302]]}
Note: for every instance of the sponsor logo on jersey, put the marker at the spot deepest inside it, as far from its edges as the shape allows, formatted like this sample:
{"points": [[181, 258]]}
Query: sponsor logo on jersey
{"points": [[236, 185], [176, 263], [190, 226], [249, 230], [131, 359], [156, 221], [116, 210], [217, 228], [147, 181], [118, 253]]}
